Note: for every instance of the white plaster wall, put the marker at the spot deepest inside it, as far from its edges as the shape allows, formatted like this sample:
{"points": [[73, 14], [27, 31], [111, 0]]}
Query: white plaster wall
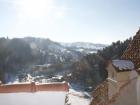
{"points": [[133, 74], [111, 70], [123, 76], [127, 95], [138, 90], [39, 98], [112, 89]]}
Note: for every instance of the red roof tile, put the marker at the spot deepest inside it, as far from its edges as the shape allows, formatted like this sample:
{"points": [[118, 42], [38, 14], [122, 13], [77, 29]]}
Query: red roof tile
{"points": [[33, 87]]}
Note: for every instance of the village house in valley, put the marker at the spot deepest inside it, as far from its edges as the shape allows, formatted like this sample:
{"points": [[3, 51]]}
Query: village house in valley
{"points": [[122, 87]]}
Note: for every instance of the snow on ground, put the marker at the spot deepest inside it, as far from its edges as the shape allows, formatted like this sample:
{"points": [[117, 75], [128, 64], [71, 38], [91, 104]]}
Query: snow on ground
{"points": [[78, 98]]}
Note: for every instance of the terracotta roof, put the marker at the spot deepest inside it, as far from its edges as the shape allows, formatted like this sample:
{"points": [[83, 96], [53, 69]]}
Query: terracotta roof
{"points": [[133, 50], [33, 87]]}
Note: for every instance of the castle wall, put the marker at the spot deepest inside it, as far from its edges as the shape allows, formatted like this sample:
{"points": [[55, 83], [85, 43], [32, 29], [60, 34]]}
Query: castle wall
{"points": [[117, 79], [112, 89], [138, 90], [112, 74], [127, 94]]}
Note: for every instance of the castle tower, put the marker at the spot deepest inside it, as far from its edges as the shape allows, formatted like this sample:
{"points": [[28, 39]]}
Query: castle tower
{"points": [[138, 90], [123, 76], [133, 51]]}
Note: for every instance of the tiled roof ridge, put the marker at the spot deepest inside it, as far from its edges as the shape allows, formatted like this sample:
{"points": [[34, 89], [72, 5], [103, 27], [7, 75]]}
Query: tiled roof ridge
{"points": [[33, 87], [100, 85], [133, 49], [98, 93]]}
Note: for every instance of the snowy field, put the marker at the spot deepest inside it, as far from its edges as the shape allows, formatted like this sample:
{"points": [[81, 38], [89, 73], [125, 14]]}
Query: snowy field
{"points": [[38, 98], [78, 98]]}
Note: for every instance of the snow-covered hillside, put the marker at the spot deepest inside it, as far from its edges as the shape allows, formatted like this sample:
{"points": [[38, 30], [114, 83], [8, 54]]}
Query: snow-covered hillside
{"points": [[84, 45], [47, 59], [54, 52], [50, 52]]}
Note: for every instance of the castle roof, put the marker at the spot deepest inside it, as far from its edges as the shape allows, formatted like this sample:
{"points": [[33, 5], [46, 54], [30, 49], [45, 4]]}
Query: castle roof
{"points": [[123, 65], [133, 51]]}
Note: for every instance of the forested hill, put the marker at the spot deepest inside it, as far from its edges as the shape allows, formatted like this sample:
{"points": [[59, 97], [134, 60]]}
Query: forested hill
{"points": [[115, 50], [19, 55]]}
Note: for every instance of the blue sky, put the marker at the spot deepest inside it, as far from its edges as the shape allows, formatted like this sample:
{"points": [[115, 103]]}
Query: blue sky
{"points": [[96, 21]]}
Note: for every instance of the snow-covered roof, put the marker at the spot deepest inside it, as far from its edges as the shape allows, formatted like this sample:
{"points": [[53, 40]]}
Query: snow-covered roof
{"points": [[123, 65], [37, 98], [33, 94]]}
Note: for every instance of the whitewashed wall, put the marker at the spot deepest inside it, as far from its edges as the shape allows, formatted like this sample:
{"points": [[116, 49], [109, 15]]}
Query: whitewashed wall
{"points": [[138, 90], [38, 98]]}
